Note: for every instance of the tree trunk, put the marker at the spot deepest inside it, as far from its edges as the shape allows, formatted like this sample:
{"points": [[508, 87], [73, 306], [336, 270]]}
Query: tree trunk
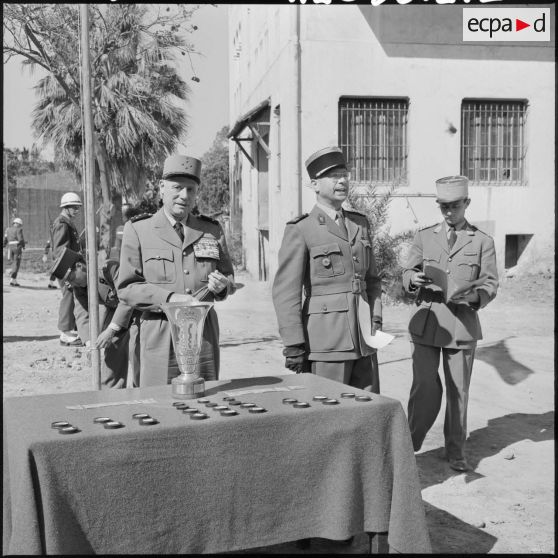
{"points": [[106, 226]]}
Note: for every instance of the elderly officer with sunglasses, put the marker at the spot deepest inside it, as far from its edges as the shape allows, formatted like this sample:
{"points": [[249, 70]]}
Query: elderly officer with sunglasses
{"points": [[452, 270], [328, 253]]}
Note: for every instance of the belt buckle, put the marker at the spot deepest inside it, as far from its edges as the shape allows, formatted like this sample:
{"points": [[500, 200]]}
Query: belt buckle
{"points": [[356, 286]]}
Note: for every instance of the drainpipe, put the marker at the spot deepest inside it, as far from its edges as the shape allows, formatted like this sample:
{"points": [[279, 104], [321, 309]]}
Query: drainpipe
{"points": [[298, 109]]}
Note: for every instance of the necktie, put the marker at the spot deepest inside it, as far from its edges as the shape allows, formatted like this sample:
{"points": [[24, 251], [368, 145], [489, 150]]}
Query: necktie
{"points": [[341, 223], [452, 237], [179, 230]]}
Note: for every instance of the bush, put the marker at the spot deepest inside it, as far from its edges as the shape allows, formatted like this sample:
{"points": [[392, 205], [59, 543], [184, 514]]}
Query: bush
{"points": [[387, 248], [234, 244]]}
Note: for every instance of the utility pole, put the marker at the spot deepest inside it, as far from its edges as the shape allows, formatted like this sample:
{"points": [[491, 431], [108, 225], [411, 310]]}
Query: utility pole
{"points": [[91, 238]]}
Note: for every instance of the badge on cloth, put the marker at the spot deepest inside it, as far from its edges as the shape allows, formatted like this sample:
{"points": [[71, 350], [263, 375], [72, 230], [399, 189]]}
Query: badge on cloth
{"points": [[206, 247]]}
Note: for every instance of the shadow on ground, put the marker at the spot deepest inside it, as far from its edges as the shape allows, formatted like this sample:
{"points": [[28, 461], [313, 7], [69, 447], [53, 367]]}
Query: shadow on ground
{"points": [[19, 339], [247, 341], [498, 355], [486, 442]]}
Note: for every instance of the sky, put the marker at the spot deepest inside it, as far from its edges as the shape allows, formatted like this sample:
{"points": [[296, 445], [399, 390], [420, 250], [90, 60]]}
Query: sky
{"points": [[208, 107]]}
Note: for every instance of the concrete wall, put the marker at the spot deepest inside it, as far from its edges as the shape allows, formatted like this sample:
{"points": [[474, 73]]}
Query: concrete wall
{"points": [[414, 52]]}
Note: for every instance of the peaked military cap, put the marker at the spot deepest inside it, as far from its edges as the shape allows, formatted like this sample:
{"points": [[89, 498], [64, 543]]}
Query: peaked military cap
{"points": [[64, 263], [324, 160], [182, 165], [452, 188]]}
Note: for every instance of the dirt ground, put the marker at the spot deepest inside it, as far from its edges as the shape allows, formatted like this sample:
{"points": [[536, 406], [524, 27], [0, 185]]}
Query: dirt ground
{"points": [[505, 505]]}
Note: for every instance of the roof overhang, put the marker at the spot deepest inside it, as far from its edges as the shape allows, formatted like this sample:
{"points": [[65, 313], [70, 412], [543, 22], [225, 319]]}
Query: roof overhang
{"points": [[251, 121]]}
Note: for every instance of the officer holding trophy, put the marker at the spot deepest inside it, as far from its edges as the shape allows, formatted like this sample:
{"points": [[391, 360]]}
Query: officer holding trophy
{"points": [[451, 268], [328, 253], [173, 256]]}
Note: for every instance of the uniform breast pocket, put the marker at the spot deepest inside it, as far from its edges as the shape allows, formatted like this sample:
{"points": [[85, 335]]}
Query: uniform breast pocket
{"points": [[158, 265], [327, 260], [468, 267]]}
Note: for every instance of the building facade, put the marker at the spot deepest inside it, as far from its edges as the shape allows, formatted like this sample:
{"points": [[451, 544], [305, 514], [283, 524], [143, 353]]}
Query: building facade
{"points": [[408, 102]]}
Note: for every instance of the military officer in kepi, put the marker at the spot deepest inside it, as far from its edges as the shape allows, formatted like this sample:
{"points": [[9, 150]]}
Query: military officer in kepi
{"points": [[169, 257], [451, 268], [329, 254]]}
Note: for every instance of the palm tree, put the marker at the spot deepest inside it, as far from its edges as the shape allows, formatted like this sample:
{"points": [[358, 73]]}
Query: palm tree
{"points": [[137, 94]]}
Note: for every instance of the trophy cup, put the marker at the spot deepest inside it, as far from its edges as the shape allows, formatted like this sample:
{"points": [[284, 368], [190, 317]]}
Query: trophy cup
{"points": [[187, 320]]}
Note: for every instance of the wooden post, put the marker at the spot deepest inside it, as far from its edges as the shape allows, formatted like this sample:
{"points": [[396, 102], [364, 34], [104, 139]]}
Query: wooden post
{"points": [[91, 237]]}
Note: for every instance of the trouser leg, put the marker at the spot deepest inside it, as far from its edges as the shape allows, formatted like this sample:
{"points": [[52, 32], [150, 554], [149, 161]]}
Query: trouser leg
{"points": [[134, 350], [426, 392], [365, 373], [66, 320], [17, 263], [337, 371], [114, 370], [458, 366]]}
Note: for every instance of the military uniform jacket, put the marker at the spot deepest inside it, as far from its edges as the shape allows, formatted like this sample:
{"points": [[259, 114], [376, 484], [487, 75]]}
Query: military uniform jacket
{"points": [[472, 260], [154, 262], [335, 272], [64, 234], [14, 237]]}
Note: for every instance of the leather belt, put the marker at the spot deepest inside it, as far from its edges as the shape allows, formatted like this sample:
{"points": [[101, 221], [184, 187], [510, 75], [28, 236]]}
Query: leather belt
{"points": [[357, 286]]}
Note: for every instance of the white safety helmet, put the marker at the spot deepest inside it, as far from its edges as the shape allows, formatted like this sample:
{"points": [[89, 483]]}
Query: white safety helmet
{"points": [[18, 221], [70, 198]]}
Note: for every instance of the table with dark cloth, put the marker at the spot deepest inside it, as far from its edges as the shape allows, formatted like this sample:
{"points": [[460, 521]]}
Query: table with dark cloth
{"points": [[215, 485]]}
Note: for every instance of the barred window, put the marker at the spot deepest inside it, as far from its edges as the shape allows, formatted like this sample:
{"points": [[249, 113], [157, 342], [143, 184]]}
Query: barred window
{"points": [[373, 138], [492, 141]]}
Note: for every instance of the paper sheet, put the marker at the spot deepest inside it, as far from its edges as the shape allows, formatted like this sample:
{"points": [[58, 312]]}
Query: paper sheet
{"points": [[380, 339]]}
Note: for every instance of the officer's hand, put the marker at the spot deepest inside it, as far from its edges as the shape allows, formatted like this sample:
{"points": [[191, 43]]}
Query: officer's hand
{"points": [[217, 282], [105, 338], [376, 326], [44, 258], [296, 364], [468, 297], [178, 297], [419, 279]]}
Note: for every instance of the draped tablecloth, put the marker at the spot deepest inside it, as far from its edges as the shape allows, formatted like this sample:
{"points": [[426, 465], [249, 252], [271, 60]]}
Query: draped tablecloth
{"points": [[215, 485]]}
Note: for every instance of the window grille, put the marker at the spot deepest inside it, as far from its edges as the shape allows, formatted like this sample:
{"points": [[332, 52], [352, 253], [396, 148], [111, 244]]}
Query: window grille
{"points": [[373, 138], [492, 142]]}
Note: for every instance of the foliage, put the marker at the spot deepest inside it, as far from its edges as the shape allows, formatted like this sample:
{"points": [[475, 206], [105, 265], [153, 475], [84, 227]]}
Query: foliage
{"points": [[387, 247], [23, 162], [137, 93], [213, 196]]}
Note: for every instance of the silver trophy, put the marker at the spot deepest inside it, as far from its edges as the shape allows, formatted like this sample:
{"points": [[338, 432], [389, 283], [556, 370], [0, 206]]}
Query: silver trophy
{"points": [[187, 320]]}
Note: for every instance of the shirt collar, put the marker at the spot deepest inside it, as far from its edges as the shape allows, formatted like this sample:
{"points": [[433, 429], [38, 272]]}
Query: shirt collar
{"points": [[331, 213], [459, 227], [172, 220]]}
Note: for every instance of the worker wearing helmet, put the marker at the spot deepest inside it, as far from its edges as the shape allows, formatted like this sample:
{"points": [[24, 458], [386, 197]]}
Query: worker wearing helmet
{"points": [[14, 241], [64, 234]]}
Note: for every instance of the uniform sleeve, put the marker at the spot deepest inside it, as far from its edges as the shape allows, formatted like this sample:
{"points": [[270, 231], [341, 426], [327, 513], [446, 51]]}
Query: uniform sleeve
{"points": [[60, 237], [132, 288], [123, 312], [488, 273], [287, 286], [374, 290], [413, 263], [225, 266]]}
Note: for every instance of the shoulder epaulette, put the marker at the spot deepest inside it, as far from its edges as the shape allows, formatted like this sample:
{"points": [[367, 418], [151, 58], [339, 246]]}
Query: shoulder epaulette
{"points": [[140, 217], [206, 218], [295, 220], [429, 227]]}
